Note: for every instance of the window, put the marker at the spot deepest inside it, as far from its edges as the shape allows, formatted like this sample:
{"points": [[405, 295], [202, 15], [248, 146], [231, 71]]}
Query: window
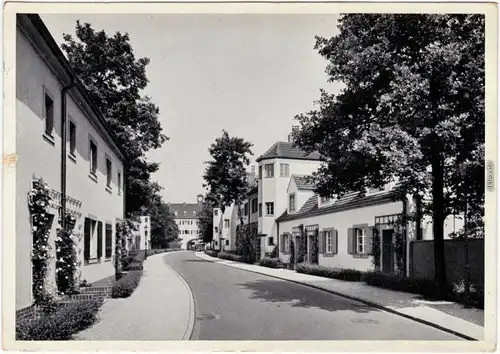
{"points": [[260, 172], [360, 240], [93, 158], [269, 170], [226, 223], [72, 138], [227, 242], [49, 114], [119, 182], [329, 241], [260, 209], [291, 204], [216, 212], [246, 209], [270, 241], [284, 170], [286, 241], [255, 206], [109, 171], [146, 233], [270, 209], [185, 213], [216, 229], [194, 213]]}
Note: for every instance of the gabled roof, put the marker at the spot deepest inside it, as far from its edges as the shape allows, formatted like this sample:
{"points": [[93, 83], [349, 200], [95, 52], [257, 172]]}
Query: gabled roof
{"points": [[348, 201], [303, 182], [189, 208], [286, 150]]}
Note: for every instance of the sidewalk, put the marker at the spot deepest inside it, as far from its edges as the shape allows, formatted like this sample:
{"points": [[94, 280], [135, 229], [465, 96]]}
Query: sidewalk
{"points": [[449, 316], [161, 308]]}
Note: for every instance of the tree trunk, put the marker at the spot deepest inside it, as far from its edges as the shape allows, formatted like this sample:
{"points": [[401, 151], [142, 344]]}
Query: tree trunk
{"points": [[438, 216]]}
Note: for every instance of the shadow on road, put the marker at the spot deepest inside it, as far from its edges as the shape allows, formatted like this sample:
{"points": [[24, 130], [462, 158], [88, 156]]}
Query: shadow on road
{"points": [[302, 296]]}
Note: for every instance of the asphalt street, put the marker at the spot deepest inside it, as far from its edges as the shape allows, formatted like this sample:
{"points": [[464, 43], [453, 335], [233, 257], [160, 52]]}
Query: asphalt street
{"points": [[233, 304]]}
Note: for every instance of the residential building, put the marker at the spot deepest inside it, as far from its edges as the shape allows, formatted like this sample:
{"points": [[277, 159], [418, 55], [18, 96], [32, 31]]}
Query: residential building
{"points": [[186, 217], [345, 227], [276, 166], [63, 139], [225, 229]]}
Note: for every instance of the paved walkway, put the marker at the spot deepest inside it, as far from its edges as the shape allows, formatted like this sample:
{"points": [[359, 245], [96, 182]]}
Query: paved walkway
{"points": [[161, 308], [446, 315]]}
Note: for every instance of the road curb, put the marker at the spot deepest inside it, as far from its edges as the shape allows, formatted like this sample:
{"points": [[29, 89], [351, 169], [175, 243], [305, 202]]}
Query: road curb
{"points": [[353, 298], [192, 314]]}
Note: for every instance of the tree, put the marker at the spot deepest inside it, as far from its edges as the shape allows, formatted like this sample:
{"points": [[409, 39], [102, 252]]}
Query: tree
{"points": [[163, 227], [412, 109], [107, 67], [226, 177], [206, 222]]}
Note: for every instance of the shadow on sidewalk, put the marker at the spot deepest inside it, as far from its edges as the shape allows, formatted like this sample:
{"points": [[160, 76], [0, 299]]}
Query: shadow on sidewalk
{"points": [[302, 296]]}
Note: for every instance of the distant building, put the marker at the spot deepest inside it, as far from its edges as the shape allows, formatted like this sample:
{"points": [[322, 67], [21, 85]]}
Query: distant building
{"points": [[62, 138], [276, 166], [186, 217]]}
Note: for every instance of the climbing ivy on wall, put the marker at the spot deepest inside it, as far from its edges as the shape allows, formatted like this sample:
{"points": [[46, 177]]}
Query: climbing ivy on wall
{"points": [[39, 199], [376, 247], [315, 248], [66, 257]]}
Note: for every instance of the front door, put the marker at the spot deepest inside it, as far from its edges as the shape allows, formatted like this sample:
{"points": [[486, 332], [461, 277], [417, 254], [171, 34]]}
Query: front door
{"points": [[387, 251]]}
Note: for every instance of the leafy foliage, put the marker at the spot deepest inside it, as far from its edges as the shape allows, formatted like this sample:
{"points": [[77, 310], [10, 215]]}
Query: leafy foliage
{"points": [[66, 257], [328, 272], [39, 199], [271, 262], [61, 324], [206, 221], [127, 284], [163, 227], [225, 176], [114, 78], [412, 110]]}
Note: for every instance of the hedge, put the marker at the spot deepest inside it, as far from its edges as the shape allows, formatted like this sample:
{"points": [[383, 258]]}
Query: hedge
{"points": [[67, 320], [127, 284], [425, 287], [335, 273], [271, 262], [234, 257], [211, 253]]}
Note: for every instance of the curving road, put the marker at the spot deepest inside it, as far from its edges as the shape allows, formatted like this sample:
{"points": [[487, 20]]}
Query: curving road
{"points": [[233, 304]]}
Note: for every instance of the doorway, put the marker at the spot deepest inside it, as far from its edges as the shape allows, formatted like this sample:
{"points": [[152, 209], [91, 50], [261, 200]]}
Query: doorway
{"points": [[387, 251]]}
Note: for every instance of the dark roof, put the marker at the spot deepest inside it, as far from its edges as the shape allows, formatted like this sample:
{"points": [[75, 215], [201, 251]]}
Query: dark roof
{"points": [[286, 150], [28, 22], [303, 182], [348, 201], [189, 208]]}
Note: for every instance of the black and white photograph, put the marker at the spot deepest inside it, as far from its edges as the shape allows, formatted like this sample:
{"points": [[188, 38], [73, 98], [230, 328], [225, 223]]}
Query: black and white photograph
{"points": [[238, 175]]}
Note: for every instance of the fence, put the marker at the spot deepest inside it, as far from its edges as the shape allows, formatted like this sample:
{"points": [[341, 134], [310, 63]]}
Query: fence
{"points": [[422, 260]]}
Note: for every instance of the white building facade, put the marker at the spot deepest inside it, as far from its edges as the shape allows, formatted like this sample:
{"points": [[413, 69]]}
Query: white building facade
{"points": [[276, 166], [186, 217], [90, 168]]}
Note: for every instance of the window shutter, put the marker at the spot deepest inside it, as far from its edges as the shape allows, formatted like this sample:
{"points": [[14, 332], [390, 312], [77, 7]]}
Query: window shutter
{"points": [[99, 239], [282, 243], [350, 241], [369, 240], [86, 240], [322, 244], [334, 241]]}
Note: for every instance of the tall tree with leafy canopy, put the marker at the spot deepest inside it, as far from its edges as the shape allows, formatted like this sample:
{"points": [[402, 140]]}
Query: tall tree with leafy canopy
{"points": [[206, 221], [163, 227], [226, 176], [412, 109], [107, 67]]}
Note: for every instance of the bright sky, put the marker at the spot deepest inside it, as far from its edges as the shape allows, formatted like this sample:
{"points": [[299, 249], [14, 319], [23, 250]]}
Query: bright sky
{"points": [[247, 74]]}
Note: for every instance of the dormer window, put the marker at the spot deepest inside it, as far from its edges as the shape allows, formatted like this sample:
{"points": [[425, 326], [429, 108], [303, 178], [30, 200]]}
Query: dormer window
{"points": [[185, 213], [175, 213], [375, 190], [291, 202], [194, 213]]}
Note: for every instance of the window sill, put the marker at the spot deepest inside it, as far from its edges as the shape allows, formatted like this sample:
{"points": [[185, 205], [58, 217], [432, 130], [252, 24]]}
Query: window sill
{"points": [[72, 157], [109, 190], [329, 254], [93, 176], [270, 216], [361, 255], [119, 193], [49, 138]]}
